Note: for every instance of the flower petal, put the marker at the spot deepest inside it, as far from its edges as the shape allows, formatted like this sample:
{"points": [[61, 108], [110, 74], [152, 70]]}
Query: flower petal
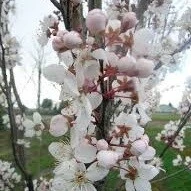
{"points": [[58, 184], [148, 154], [37, 118], [59, 150], [95, 99], [100, 54], [96, 172], [142, 185], [84, 114], [129, 186], [58, 125], [85, 153], [88, 187], [55, 73], [148, 172], [28, 124]]}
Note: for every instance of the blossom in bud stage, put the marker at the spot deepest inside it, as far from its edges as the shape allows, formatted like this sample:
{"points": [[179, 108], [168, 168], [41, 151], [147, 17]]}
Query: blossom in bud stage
{"points": [[96, 21], [58, 125], [114, 25], [127, 65], [102, 144], [72, 40], [129, 21], [145, 137], [61, 33], [85, 153], [58, 44], [142, 42], [144, 67], [138, 147], [107, 159]]}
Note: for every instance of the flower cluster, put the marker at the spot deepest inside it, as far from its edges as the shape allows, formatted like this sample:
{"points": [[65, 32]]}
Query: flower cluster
{"points": [[10, 43], [8, 176], [102, 84], [180, 161], [30, 128], [41, 184], [185, 20], [168, 133], [48, 24], [12, 56], [186, 98]]}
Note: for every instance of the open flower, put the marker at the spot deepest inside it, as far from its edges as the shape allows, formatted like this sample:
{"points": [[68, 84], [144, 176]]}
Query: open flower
{"points": [[61, 151], [137, 176], [128, 125], [75, 176]]}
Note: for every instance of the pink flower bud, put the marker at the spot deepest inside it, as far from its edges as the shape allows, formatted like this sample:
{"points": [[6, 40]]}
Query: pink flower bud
{"points": [[61, 33], [72, 40], [58, 125], [138, 147], [96, 21], [145, 138], [58, 44], [107, 159], [102, 145], [144, 67], [129, 21], [93, 140], [127, 65]]}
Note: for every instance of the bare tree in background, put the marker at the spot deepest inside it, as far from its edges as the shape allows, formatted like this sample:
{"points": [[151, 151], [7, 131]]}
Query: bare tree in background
{"points": [[39, 58]]}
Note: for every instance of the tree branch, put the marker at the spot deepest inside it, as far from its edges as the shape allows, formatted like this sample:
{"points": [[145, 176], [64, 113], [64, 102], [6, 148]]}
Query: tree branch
{"points": [[27, 176], [56, 4], [180, 49], [17, 97], [181, 124]]}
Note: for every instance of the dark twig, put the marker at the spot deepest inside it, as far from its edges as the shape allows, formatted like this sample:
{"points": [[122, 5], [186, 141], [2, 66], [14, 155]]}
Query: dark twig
{"points": [[17, 97], [60, 7], [27, 176]]}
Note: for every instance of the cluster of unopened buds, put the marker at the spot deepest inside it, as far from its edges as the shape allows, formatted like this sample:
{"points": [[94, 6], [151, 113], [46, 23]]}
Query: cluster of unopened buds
{"points": [[8, 176], [168, 133], [180, 161], [41, 184], [103, 69]]}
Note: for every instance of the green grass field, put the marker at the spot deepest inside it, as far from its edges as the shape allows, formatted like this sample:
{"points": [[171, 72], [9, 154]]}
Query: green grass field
{"points": [[40, 162]]}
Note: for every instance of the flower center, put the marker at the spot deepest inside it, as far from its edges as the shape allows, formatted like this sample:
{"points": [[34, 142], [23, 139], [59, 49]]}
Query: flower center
{"points": [[80, 178], [132, 173]]}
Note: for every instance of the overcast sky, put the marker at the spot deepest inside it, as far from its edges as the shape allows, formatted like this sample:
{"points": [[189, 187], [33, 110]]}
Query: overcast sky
{"points": [[25, 24]]}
